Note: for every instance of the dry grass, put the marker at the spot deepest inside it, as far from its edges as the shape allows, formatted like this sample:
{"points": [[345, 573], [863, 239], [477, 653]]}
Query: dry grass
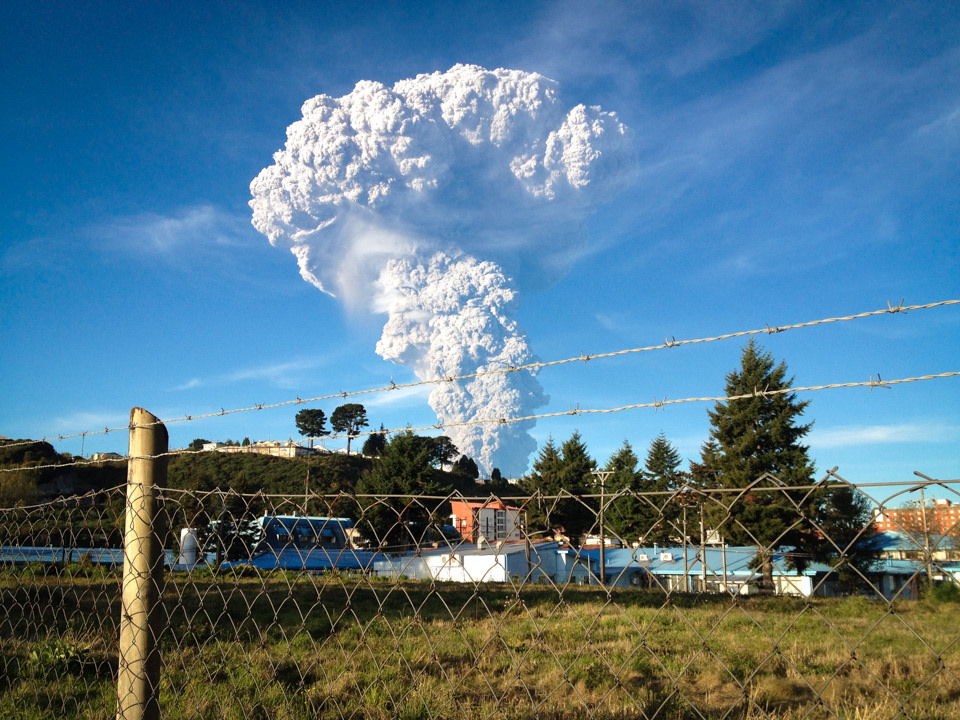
{"points": [[283, 646]]}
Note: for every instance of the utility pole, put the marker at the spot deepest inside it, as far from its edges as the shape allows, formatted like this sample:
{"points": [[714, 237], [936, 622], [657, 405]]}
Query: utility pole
{"points": [[926, 530], [926, 537], [688, 498], [703, 555], [686, 565], [926, 533], [601, 476], [306, 492], [526, 546], [723, 554]]}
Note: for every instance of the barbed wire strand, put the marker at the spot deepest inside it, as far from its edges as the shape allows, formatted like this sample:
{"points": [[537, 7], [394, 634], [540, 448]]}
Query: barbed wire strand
{"points": [[656, 404], [670, 343]]}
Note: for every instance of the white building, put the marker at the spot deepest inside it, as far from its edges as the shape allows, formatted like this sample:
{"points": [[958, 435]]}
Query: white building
{"points": [[274, 448]]}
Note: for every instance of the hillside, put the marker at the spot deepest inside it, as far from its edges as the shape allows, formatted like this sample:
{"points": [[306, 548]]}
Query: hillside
{"points": [[239, 472]]}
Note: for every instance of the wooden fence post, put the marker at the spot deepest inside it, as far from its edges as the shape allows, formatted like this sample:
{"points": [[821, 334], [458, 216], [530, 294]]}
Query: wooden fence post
{"points": [[138, 675]]}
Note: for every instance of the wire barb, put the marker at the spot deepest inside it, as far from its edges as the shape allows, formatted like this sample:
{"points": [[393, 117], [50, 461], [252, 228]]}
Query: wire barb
{"points": [[534, 366]]}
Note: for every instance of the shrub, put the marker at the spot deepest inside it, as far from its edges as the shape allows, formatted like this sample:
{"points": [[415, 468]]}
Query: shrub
{"points": [[945, 592]]}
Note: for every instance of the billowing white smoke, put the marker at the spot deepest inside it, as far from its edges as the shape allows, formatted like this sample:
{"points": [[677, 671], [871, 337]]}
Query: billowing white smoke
{"points": [[452, 317], [387, 197]]}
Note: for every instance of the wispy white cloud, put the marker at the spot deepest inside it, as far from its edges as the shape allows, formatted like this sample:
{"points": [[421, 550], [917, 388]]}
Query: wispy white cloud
{"points": [[615, 322], [401, 397], [189, 384], [289, 374], [186, 229], [855, 435], [79, 422], [282, 374], [941, 132], [679, 37]]}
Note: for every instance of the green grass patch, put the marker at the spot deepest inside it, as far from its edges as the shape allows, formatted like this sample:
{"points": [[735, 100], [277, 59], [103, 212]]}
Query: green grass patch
{"points": [[287, 645]]}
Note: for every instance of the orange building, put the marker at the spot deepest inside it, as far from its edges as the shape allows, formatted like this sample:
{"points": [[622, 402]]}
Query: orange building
{"points": [[492, 520], [939, 517]]}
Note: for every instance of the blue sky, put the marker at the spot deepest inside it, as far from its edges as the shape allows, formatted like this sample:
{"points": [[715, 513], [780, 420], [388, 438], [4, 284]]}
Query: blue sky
{"points": [[797, 161]]}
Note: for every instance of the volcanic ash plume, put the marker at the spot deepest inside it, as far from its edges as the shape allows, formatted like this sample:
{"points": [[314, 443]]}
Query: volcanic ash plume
{"points": [[451, 318], [417, 200]]}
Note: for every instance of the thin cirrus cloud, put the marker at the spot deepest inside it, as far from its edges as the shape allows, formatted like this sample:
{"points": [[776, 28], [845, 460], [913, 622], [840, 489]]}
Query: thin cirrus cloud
{"points": [[401, 397], [192, 227], [89, 421], [854, 435], [291, 376], [286, 375]]}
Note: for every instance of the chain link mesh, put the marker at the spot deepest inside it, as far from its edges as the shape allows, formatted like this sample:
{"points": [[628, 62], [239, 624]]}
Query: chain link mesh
{"points": [[374, 607]]}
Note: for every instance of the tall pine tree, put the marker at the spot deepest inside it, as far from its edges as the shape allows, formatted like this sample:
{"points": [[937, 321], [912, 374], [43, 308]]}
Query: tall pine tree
{"points": [[392, 517], [578, 515], [624, 517], [643, 511], [753, 436], [661, 473], [544, 479], [562, 477]]}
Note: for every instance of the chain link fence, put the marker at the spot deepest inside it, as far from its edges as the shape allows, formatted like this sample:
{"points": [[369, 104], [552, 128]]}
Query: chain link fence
{"points": [[607, 605]]}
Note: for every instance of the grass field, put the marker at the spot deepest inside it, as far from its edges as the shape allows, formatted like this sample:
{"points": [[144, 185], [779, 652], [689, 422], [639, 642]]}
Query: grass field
{"points": [[286, 646]]}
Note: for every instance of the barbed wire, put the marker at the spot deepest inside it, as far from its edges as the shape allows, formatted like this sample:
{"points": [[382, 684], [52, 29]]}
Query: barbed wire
{"points": [[533, 366], [656, 404]]}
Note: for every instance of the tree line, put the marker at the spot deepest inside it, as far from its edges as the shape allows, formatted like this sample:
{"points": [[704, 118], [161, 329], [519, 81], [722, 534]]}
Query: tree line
{"points": [[754, 456]]}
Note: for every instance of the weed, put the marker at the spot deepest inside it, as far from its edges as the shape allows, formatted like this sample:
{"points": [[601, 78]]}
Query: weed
{"points": [[945, 592]]}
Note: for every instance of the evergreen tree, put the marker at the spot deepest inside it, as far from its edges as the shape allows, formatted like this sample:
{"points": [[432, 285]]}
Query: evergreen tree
{"points": [[406, 470], [545, 479], [466, 466], [444, 451], [843, 534], [376, 443], [562, 477], [576, 466], [622, 517], [754, 436], [662, 466], [661, 474], [579, 516], [643, 512], [349, 419], [312, 423], [498, 483]]}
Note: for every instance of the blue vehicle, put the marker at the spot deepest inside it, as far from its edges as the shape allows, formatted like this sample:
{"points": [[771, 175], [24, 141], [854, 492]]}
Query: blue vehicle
{"points": [[297, 542]]}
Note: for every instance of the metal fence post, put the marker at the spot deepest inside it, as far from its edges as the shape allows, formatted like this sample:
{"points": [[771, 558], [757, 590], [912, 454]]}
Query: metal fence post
{"points": [[138, 676]]}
